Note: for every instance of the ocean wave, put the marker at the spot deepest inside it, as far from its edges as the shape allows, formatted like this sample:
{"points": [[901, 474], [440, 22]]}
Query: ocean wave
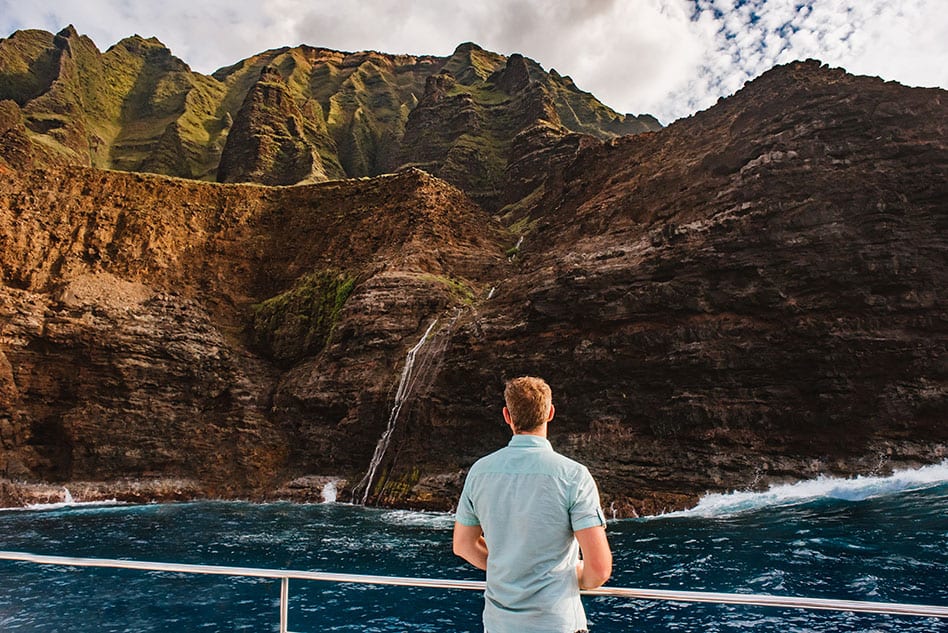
{"points": [[436, 520], [856, 488], [70, 505]]}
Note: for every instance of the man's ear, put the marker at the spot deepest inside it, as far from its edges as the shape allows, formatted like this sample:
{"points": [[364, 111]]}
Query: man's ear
{"points": [[507, 418], [552, 413]]}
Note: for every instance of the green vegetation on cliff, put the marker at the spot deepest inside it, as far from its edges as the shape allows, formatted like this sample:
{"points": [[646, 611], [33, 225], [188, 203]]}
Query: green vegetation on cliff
{"points": [[28, 63], [460, 290], [135, 107], [299, 322], [291, 115]]}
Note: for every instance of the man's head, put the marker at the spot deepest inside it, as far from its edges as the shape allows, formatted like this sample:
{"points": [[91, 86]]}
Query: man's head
{"points": [[529, 404]]}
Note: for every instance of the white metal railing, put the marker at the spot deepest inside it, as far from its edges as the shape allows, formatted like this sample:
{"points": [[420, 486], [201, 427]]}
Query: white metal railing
{"points": [[284, 575]]}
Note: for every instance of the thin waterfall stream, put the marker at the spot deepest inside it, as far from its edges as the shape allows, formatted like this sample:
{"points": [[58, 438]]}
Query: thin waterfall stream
{"points": [[405, 389]]}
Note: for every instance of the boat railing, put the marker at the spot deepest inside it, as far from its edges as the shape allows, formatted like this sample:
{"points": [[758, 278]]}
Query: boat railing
{"points": [[285, 575]]}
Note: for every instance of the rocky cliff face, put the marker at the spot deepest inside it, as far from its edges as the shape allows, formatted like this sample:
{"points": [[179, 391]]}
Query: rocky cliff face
{"points": [[752, 295], [267, 144], [145, 320], [466, 125]]}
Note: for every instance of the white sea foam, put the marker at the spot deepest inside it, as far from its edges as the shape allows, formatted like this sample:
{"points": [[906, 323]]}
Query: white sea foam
{"points": [[71, 504], [852, 489], [329, 491], [437, 520]]}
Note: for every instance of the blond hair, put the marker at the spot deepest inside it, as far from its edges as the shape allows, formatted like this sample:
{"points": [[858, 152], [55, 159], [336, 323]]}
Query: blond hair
{"points": [[528, 401]]}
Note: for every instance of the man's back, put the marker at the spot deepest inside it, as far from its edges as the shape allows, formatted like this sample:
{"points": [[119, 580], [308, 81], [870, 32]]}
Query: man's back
{"points": [[529, 500]]}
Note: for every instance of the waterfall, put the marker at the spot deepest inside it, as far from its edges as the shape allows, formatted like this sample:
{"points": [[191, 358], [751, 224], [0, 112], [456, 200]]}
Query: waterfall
{"points": [[67, 497], [405, 388], [516, 249]]}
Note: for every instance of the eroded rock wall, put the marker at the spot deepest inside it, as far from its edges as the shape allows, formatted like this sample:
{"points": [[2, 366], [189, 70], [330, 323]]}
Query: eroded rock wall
{"points": [[754, 294], [128, 305]]}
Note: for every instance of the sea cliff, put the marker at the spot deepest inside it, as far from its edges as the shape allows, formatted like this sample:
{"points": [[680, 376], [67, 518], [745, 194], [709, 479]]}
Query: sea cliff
{"points": [[754, 294]]}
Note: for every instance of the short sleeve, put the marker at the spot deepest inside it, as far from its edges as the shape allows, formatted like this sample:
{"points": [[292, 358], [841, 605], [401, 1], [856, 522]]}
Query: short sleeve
{"points": [[465, 514], [585, 511]]}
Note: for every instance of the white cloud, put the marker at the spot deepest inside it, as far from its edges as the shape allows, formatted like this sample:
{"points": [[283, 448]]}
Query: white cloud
{"points": [[667, 57], [872, 37]]}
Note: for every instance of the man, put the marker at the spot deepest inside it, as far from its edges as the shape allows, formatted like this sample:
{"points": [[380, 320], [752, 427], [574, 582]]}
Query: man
{"points": [[524, 515]]}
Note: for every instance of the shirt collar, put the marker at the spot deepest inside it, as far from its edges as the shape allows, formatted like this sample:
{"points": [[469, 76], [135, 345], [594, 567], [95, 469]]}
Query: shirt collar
{"points": [[530, 441]]}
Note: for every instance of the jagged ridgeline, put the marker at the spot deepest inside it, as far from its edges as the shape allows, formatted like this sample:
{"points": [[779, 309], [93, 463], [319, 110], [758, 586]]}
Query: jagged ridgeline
{"points": [[291, 115]]}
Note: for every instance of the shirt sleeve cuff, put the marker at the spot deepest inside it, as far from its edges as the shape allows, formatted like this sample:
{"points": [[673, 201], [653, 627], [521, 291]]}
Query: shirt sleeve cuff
{"points": [[596, 520], [466, 520]]}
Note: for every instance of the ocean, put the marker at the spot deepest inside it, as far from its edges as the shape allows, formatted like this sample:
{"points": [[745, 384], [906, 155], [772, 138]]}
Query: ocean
{"points": [[869, 538]]}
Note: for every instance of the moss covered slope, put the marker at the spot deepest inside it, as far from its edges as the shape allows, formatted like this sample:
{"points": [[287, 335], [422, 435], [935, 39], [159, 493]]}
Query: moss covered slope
{"points": [[291, 115]]}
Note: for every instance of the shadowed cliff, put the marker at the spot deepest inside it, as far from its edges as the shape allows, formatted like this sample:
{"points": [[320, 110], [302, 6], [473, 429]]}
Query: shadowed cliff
{"points": [[754, 294]]}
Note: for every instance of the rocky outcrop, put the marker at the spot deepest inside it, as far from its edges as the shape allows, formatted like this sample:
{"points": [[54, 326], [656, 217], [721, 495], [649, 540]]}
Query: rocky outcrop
{"points": [[266, 143], [465, 127], [752, 295]]}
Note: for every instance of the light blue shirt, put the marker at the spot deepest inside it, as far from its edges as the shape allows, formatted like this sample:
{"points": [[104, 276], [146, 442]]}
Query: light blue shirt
{"points": [[528, 500]]}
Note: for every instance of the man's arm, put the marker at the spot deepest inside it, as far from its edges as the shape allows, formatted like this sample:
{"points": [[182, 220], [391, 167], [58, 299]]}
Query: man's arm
{"points": [[470, 545], [596, 567]]}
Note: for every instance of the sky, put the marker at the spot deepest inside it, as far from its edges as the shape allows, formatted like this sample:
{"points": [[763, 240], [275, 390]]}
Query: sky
{"points": [[669, 58]]}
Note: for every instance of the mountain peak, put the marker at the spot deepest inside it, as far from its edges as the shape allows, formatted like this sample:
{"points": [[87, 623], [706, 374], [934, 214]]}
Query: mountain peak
{"points": [[152, 50], [471, 63], [515, 75], [68, 32], [140, 40], [467, 47]]}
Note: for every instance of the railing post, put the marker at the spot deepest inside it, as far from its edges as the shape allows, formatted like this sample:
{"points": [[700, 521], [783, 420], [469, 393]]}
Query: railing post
{"points": [[284, 603]]}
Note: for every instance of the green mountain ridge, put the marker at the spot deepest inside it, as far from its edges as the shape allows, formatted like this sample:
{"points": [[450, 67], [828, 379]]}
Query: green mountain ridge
{"points": [[289, 115]]}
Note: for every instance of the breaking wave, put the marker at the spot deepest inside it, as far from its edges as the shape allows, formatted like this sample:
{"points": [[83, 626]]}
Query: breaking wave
{"points": [[65, 505], [433, 520], [69, 503], [856, 488]]}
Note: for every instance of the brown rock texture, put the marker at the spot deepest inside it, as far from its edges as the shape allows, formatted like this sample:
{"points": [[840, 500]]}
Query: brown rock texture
{"points": [[752, 295], [126, 306]]}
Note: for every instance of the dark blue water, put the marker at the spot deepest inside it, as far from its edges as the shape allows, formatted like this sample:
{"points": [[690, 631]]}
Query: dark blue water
{"points": [[878, 540]]}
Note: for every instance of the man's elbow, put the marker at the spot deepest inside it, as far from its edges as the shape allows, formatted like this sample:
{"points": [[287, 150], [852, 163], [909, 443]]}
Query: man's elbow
{"points": [[468, 543], [596, 573], [596, 570]]}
